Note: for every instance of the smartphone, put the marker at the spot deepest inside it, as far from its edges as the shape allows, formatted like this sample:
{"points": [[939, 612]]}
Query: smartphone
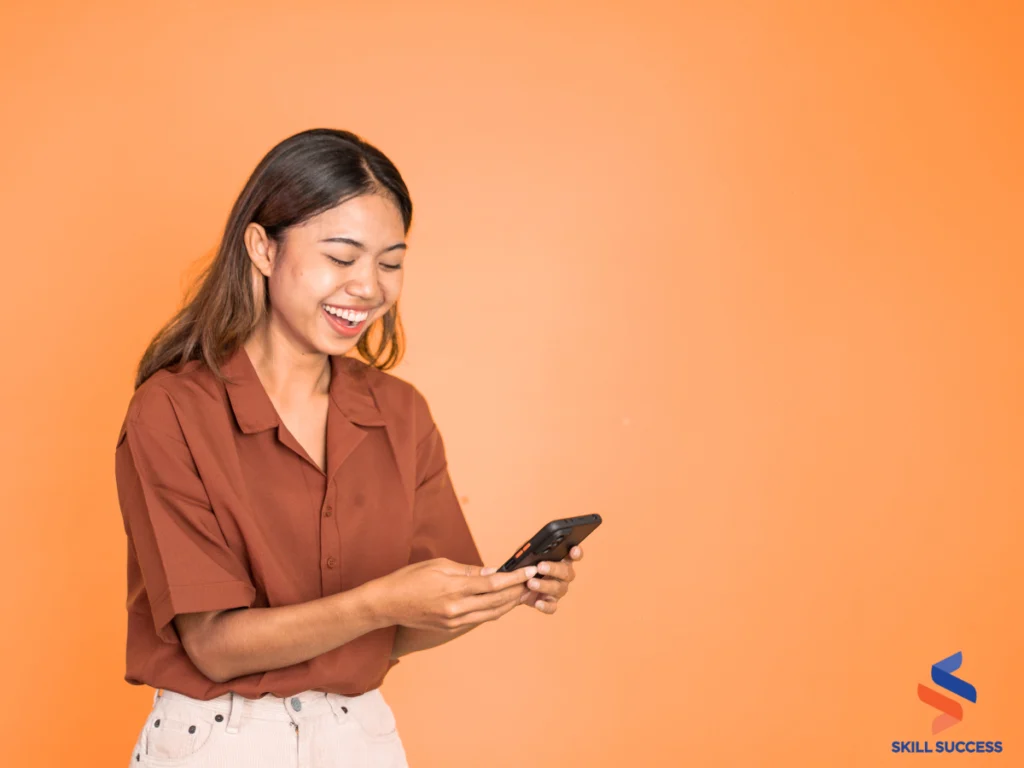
{"points": [[552, 542]]}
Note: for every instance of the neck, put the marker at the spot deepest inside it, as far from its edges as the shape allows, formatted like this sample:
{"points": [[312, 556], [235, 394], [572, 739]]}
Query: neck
{"points": [[288, 372]]}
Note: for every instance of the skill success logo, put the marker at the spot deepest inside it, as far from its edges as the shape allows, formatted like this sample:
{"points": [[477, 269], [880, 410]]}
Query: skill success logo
{"points": [[951, 710]]}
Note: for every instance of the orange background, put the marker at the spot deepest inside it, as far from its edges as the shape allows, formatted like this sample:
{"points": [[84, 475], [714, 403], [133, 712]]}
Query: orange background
{"points": [[744, 278]]}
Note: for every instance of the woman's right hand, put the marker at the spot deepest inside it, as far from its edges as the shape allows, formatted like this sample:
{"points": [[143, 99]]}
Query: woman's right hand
{"points": [[442, 594]]}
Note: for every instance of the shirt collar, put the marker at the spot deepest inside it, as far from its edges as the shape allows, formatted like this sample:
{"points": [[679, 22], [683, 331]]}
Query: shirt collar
{"points": [[350, 392]]}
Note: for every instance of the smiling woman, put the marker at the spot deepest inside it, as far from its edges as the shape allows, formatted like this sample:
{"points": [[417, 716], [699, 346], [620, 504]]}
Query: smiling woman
{"points": [[291, 522], [316, 190], [341, 284]]}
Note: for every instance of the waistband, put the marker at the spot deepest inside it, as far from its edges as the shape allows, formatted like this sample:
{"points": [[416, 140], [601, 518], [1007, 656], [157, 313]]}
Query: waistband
{"points": [[269, 707]]}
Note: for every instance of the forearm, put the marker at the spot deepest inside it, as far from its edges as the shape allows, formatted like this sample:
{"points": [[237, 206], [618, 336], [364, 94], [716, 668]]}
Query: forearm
{"points": [[234, 643], [409, 640]]}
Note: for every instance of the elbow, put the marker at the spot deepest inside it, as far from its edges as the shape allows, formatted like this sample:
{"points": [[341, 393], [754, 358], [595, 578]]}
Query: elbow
{"points": [[214, 670], [216, 676], [205, 650], [210, 663]]}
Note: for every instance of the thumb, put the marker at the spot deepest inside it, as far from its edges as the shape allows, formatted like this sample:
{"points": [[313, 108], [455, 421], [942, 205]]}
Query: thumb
{"points": [[488, 571]]}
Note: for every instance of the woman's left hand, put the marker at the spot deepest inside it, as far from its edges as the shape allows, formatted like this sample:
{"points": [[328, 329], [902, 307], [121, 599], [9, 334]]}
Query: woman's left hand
{"points": [[545, 593]]}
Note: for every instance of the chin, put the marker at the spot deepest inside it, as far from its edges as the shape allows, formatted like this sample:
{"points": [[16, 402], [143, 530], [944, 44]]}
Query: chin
{"points": [[338, 347]]}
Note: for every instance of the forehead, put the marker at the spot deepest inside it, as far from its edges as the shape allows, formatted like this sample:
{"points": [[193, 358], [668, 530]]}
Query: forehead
{"points": [[364, 218]]}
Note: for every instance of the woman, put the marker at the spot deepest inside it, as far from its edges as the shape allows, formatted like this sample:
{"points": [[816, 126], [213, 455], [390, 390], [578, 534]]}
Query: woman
{"points": [[291, 521]]}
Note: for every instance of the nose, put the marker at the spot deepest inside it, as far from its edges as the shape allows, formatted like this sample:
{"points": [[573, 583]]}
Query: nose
{"points": [[363, 283]]}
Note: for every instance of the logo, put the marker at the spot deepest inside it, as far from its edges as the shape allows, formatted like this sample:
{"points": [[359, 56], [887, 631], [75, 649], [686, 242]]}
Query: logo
{"points": [[951, 712], [951, 709]]}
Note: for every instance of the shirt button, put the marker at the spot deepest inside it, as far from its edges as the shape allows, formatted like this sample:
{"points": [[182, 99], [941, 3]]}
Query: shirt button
{"points": [[296, 704], [329, 511], [331, 562]]}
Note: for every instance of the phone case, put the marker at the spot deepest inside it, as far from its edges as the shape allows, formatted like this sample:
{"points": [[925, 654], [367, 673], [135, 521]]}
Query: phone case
{"points": [[553, 541]]}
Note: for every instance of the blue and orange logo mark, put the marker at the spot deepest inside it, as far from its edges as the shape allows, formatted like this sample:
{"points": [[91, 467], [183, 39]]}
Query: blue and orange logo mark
{"points": [[951, 709]]}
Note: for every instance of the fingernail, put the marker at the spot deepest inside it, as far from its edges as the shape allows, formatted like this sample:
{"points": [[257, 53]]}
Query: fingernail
{"points": [[533, 584], [531, 571], [541, 605], [488, 571], [543, 567]]}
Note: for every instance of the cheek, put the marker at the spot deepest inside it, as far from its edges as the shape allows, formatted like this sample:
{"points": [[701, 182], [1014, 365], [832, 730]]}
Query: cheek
{"points": [[309, 286], [295, 291], [391, 286]]}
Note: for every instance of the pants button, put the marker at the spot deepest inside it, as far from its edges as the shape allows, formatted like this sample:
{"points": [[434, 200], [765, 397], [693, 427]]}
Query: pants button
{"points": [[296, 704]]}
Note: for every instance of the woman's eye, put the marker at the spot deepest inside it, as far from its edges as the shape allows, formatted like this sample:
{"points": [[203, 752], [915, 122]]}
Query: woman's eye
{"points": [[341, 263]]}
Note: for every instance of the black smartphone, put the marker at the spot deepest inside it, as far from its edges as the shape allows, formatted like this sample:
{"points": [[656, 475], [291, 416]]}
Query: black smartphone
{"points": [[552, 542]]}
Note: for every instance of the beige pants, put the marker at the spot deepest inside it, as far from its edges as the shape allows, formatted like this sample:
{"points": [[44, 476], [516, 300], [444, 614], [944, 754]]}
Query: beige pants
{"points": [[310, 730]]}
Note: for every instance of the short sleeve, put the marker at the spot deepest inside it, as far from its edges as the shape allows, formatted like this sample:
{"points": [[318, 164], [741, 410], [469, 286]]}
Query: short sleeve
{"points": [[440, 529], [185, 562]]}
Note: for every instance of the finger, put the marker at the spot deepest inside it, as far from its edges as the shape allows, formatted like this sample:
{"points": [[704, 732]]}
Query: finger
{"points": [[479, 617], [479, 585], [576, 553], [483, 612], [488, 601], [462, 569], [546, 605], [561, 570], [553, 587]]}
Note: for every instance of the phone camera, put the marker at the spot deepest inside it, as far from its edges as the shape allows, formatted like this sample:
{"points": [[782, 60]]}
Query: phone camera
{"points": [[559, 538]]}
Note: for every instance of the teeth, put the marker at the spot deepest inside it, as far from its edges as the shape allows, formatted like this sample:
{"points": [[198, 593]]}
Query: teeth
{"points": [[348, 314]]}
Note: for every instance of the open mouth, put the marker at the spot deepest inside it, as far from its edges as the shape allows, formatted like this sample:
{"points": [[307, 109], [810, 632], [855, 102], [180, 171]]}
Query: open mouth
{"points": [[346, 321]]}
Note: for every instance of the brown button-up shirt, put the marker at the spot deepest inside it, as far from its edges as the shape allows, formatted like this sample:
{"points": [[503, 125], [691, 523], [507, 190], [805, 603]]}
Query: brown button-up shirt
{"points": [[223, 508]]}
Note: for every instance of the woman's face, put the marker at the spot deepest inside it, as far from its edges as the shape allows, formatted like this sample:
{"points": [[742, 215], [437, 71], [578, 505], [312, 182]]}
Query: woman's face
{"points": [[333, 276]]}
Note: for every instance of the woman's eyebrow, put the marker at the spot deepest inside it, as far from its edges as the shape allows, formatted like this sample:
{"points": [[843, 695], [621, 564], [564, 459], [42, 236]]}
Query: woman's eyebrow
{"points": [[357, 244]]}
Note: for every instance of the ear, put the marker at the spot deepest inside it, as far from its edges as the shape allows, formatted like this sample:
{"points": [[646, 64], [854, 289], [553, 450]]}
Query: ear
{"points": [[261, 248]]}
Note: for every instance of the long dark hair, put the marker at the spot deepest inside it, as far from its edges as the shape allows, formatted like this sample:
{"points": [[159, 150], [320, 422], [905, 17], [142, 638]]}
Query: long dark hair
{"points": [[304, 175]]}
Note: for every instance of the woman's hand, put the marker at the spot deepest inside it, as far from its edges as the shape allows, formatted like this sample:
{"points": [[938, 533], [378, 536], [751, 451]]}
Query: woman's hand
{"points": [[545, 593], [441, 594]]}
